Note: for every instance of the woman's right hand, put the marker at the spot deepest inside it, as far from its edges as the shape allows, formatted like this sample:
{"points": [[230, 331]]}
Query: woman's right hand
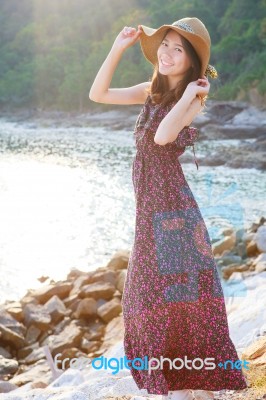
{"points": [[127, 37]]}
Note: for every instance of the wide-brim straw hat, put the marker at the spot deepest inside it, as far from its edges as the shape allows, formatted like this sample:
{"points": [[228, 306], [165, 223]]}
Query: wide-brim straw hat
{"points": [[190, 28]]}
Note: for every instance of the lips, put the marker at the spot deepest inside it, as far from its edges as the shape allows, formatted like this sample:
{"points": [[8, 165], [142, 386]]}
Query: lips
{"points": [[166, 64]]}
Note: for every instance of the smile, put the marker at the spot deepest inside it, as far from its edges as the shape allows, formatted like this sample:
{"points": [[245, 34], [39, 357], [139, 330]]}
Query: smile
{"points": [[166, 64]]}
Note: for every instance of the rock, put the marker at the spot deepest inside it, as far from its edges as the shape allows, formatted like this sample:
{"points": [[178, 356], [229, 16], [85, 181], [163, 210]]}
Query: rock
{"points": [[119, 260], [250, 116], [11, 337], [39, 385], [33, 374], [230, 269], [86, 308], [68, 355], [231, 259], [28, 300], [248, 237], [69, 337], [98, 290], [43, 294], [241, 250], [201, 120], [56, 308], [260, 238], [25, 351], [260, 267], [226, 232], [121, 280], [8, 366], [260, 361], [255, 350], [6, 387], [89, 346], [35, 355], [78, 283], [75, 273], [255, 225], [43, 278], [10, 322], [103, 276], [38, 316], [226, 243], [260, 263], [96, 331], [61, 325], [5, 353], [110, 310], [117, 295], [114, 332], [70, 299], [252, 249], [33, 333], [15, 309]]}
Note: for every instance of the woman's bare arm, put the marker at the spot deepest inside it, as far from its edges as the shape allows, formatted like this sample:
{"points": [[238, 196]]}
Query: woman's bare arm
{"points": [[183, 112], [100, 91]]}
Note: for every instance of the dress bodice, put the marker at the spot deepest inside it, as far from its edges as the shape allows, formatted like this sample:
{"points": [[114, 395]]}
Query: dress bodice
{"points": [[147, 124]]}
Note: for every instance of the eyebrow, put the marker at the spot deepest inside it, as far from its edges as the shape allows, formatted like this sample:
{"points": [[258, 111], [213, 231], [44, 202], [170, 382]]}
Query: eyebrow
{"points": [[177, 44]]}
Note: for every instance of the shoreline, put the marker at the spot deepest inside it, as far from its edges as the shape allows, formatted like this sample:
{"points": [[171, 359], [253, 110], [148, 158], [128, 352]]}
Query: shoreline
{"points": [[220, 120], [81, 316]]}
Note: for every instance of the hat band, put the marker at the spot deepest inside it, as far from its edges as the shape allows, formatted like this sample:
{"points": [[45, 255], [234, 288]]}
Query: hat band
{"points": [[184, 26]]}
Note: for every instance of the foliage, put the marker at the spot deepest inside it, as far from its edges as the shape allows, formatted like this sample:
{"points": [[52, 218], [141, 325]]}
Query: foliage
{"points": [[50, 51]]}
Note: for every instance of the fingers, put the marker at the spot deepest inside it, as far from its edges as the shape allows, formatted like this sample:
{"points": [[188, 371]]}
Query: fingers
{"points": [[129, 31]]}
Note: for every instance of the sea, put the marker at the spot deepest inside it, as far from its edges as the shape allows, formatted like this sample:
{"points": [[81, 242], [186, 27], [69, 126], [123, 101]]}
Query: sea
{"points": [[67, 199]]}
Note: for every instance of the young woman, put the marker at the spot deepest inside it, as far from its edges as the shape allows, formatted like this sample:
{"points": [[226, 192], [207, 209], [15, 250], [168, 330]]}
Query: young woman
{"points": [[173, 304]]}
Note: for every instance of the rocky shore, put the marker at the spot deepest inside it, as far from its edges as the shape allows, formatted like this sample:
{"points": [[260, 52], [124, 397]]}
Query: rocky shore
{"points": [[81, 317], [220, 120]]}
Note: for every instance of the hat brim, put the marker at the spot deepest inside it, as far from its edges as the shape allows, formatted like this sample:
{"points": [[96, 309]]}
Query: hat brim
{"points": [[150, 40]]}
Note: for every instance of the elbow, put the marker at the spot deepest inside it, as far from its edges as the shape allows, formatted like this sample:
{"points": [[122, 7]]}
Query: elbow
{"points": [[93, 97], [159, 141]]}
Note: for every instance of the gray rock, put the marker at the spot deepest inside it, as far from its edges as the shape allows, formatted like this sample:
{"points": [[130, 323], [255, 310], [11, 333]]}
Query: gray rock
{"points": [[6, 387], [56, 308], [38, 316], [9, 336], [98, 290], [8, 366], [69, 337]]}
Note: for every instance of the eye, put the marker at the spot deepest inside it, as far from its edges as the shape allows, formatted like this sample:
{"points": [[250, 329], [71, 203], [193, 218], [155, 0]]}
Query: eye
{"points": [[164, 44], [177, 48]]}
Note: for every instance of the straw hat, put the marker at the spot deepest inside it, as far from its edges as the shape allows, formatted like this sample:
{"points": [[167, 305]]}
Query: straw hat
{"points": [[192, 29]]}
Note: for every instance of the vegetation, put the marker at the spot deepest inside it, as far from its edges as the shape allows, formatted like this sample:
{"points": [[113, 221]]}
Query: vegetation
{"points": [[51, 50]]}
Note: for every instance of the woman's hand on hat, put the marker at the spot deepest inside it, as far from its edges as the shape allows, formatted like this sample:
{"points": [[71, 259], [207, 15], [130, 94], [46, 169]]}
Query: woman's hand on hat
{"points": [[199, 87], [128, 37]]}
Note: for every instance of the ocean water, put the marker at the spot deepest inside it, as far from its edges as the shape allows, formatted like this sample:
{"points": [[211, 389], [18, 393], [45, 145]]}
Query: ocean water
{"points": [[67, 199]]}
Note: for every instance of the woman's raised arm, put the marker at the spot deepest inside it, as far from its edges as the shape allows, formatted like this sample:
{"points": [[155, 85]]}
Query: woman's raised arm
{"points": [[100, 91]]}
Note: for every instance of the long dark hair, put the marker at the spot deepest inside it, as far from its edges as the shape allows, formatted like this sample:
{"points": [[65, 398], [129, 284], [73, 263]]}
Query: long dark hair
{"points": [[159, 89]]}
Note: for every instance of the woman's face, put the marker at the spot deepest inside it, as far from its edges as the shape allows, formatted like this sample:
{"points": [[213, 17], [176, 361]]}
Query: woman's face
{"points": [[173, 61]]}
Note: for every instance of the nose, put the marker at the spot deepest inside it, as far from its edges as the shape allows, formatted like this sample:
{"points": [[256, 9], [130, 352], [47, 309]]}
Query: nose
{"points": [[167, 53]]}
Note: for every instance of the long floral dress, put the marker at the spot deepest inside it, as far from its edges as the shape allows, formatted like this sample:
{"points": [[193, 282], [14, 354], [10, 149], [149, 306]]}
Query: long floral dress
{"points": [[173, 303]]}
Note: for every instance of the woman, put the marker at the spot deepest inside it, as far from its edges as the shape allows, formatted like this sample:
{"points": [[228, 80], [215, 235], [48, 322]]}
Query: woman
{"points": [[173, 304]]}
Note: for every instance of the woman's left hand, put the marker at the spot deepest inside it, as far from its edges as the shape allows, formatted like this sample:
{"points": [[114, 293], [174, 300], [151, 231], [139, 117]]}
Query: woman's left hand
{"points": [[199, 87]]}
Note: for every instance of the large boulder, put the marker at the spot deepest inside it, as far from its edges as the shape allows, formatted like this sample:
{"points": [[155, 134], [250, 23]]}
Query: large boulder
{"points": [[98, 290], [38, 316], [70, 336], [8, 366]]}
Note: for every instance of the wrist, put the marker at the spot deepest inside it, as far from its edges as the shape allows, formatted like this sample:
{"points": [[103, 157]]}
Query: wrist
{"points": [[119, 50], [188, 96]]}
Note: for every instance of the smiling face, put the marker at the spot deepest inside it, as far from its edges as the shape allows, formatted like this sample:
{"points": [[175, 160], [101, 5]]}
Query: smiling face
{"points": [[173, 60]]}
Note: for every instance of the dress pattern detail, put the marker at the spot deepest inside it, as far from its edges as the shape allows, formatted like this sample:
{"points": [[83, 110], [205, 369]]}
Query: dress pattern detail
{"points": [[173, 302]]}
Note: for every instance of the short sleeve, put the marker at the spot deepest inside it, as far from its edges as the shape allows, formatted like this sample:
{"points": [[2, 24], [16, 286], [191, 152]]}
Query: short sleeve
{"points": [[187, 137]]}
